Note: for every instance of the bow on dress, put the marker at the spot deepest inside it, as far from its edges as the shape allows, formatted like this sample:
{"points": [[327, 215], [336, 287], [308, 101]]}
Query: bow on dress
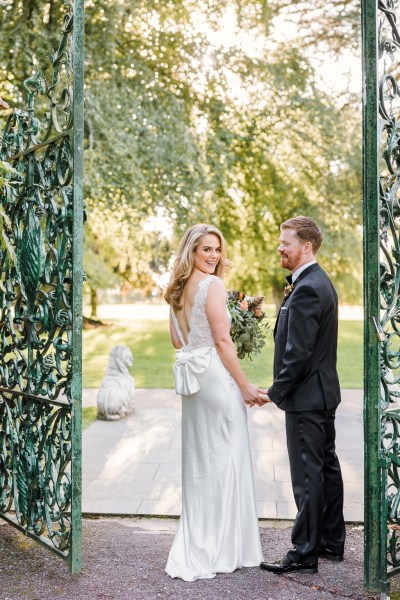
{"points": [[188, 367]]}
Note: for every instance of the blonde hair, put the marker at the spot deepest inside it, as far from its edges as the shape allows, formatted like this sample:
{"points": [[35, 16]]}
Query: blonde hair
{"points": [[184, 261]]}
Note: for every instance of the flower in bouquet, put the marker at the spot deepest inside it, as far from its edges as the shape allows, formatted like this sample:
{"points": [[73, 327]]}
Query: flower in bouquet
{"points": [[248, 323]]}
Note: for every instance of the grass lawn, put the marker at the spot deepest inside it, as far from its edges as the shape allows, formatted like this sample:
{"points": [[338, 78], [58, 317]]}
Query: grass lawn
{"points": [[351, 354], [89, 414], [154, 355]]}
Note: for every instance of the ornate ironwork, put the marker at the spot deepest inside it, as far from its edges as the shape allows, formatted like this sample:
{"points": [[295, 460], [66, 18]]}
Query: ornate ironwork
{"points": [[389, 196], [382, 283], [40, 303]]}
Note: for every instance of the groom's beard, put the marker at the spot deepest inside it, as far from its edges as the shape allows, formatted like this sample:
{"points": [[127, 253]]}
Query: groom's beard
{"points": [[290, 262]]}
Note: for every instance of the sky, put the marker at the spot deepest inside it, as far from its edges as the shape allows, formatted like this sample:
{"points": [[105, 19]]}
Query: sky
{"points": [[337, 73]]}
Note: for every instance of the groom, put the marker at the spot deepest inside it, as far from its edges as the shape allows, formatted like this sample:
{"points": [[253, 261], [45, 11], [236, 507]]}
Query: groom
{"points": [[306, 387]]}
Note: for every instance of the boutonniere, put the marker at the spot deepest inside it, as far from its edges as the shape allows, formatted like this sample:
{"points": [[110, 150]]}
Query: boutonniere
{"points": [[287, 290]]}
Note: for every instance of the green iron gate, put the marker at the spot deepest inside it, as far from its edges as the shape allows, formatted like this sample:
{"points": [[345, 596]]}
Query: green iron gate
{"points": [[41, 303], [381, 152]]}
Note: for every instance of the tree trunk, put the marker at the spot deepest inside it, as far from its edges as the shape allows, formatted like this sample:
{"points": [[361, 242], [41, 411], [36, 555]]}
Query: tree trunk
{"points": [[277, 296], [51, 13], [93, 303]]}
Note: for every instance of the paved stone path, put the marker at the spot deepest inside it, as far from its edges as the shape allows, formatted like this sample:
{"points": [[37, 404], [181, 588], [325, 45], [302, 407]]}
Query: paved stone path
{"points": [[132, 466]]}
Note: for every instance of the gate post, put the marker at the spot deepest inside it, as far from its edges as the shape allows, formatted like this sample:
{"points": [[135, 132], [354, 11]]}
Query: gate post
{"points": [[381, 211], [75, 556], [372, 533]]}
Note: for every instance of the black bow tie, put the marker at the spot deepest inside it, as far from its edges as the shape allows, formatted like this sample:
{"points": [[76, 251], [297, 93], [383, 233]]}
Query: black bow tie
{"points": [[289, 279]]}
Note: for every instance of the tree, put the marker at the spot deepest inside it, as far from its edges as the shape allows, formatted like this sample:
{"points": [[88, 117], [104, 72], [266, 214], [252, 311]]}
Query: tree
{"points": [[6, 172], [181, 120], [122, 253]]}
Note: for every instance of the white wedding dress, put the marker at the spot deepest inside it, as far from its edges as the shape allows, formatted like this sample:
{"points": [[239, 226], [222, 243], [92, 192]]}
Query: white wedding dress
{"points": [[218, 530]]}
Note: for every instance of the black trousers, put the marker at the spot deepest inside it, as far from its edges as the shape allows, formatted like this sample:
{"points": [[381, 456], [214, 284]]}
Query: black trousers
{"points": [[317, 484]]}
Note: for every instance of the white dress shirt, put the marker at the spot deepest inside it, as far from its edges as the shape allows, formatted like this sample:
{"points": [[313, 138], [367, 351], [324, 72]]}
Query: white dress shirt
{"points": [[297, 272]]}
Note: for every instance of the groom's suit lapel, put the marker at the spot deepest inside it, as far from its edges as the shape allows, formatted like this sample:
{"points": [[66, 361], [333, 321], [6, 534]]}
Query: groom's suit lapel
{"points": [[289, 279], [310, 269]]}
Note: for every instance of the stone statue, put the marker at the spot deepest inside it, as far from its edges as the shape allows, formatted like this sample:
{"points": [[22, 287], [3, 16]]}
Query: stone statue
{"points": [[115, 396]]}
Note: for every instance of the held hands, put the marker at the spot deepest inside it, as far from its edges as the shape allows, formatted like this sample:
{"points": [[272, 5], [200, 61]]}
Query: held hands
{"points": [[263, 397], [252, 395]]}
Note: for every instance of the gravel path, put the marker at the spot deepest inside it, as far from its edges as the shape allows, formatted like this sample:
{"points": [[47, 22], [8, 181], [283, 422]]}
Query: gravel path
{"points": [[124, 559]]}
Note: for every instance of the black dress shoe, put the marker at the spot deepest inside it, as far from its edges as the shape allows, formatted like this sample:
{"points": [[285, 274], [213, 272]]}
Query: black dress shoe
{"points": [[287, 565], [331, 555]]}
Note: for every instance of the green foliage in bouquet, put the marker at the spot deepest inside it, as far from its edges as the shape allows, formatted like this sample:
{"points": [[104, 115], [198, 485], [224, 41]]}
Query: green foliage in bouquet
{"points": [[249, 323]]}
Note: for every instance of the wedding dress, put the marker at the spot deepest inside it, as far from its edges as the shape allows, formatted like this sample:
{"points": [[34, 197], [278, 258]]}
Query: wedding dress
{"points": [[218, 530]]}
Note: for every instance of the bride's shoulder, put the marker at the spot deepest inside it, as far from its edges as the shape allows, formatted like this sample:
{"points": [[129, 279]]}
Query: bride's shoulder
{"points": [[216, 288], [216, 297], [216, 282]]}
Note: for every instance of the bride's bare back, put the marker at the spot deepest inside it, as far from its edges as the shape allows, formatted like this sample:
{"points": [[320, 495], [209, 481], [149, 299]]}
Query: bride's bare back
{"points": [[183, 315]]}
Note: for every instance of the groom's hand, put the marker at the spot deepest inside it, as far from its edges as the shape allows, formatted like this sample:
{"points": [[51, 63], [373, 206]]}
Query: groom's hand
{"points": [[263, 397]]}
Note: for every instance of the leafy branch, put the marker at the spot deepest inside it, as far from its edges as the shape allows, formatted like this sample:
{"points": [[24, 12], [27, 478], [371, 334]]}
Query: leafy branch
{"points": [[6, 172]]}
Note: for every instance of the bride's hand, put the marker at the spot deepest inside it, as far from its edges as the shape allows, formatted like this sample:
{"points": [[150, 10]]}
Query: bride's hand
{"points": [[250, 394]]}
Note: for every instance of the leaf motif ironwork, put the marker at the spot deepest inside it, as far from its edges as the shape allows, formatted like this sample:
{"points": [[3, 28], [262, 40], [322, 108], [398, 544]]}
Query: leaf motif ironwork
{"points": [[35, 445], [389, 115], [36, 306]]}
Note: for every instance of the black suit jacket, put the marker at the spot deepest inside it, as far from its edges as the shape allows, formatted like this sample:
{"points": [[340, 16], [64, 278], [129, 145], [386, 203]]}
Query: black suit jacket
{"points": [[306, 331]]}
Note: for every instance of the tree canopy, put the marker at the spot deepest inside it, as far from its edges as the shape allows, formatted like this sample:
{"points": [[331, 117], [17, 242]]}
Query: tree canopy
{"points": [[195, 112]]}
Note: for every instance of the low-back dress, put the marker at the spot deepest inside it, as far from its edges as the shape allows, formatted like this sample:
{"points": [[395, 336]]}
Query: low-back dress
{"points": [[218, 530]]}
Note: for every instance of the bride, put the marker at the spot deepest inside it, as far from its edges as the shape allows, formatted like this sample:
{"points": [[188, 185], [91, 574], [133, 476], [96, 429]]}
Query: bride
{"points": [[218, 529]]}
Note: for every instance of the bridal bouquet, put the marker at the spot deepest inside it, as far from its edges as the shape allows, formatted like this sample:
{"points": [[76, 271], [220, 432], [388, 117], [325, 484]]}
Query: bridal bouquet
{"points": [[249, 323]]}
